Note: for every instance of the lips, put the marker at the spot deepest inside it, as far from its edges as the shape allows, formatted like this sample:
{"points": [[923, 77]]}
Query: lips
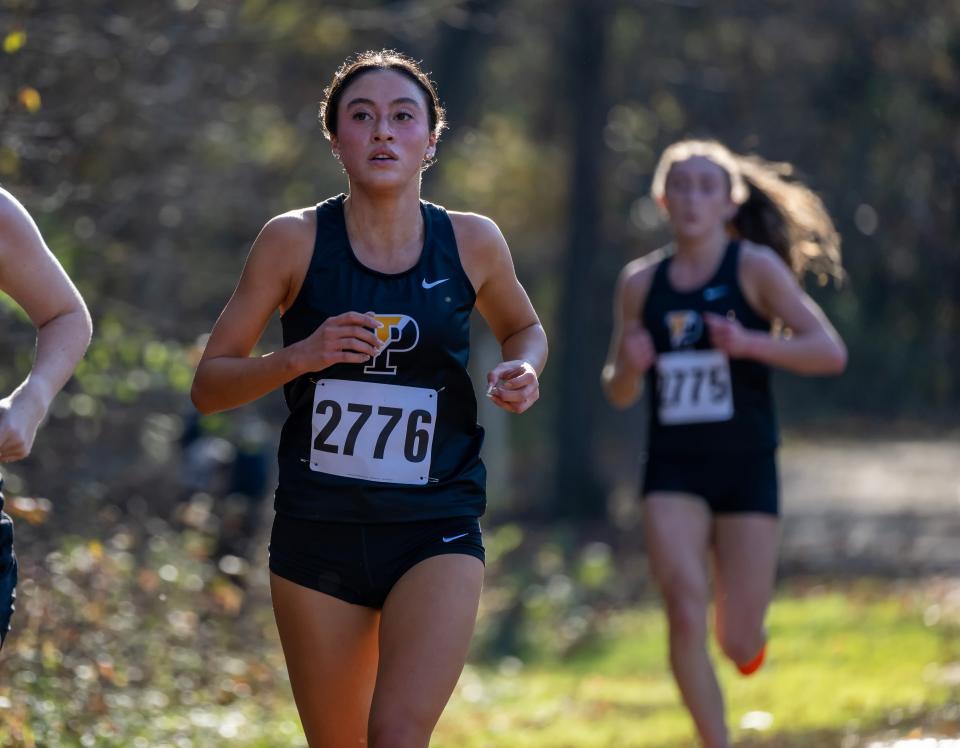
{"points": [[382, 156]]}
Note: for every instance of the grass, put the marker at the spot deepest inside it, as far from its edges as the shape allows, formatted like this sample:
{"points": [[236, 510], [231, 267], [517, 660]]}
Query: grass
{"points": [[842, 663], [140, 642]]}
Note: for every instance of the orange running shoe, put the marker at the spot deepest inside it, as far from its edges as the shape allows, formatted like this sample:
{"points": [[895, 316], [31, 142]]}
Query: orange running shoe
{"points": [[755, 664]]}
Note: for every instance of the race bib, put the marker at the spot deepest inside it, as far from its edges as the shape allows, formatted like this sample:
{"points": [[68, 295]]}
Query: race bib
{"points": [[694, 387], [380, 432]]}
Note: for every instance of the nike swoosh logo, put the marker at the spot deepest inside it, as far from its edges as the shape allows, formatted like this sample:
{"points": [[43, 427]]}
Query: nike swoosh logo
{"points": [[714, 293], [455, 537], [435, 283]]}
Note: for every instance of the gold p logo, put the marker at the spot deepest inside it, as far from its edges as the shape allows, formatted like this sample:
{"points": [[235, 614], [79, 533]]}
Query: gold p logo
{"points": [[685, 328], [400, 333]]}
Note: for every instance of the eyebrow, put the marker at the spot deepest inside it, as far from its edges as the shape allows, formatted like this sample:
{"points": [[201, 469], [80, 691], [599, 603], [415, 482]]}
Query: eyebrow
{"points": [[370, 102]]}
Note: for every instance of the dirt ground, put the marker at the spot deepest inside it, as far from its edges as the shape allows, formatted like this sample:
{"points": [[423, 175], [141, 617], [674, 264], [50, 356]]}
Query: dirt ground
{"points": [[887, 507]]}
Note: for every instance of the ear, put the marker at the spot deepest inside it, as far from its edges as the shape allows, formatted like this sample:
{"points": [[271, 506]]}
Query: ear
{"points": [[431, 147], [335, 146], [732, 210]]}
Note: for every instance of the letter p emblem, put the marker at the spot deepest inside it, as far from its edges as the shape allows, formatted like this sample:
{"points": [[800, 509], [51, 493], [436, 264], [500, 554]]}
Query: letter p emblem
{"points": [[400, 333]]}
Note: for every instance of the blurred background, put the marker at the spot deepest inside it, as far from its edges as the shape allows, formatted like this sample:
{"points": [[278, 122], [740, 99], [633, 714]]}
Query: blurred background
{"points": [[151, 141]]}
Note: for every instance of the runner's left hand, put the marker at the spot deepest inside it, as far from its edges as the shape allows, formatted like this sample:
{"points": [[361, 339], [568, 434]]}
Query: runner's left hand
{"points": [[728, 335], [513, 386]]}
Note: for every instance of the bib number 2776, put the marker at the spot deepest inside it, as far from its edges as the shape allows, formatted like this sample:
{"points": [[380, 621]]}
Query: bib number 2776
{"points": [[379, 432]]}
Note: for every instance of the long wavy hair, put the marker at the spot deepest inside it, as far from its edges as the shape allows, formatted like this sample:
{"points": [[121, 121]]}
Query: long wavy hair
{"points": [[775, 209]]}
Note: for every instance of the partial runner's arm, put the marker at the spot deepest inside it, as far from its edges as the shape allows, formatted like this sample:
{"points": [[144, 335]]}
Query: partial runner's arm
{"points": [[513, 384], [631, 347], [813, 347], [227, 376], [32, 276]]}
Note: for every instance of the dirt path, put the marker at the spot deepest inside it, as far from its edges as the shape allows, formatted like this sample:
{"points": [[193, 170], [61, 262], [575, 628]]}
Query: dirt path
{"points": [[888, 507]]}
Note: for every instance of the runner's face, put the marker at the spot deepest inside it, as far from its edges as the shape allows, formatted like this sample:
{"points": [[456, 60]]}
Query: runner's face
{"points": [[697, 197], [383, 129]]}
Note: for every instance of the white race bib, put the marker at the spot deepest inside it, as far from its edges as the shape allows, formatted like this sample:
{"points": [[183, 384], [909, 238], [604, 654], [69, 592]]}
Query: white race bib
{"points": [[380, 432], [694, 387]]}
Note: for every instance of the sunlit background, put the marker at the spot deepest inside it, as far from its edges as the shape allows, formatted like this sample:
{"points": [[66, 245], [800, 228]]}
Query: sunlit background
{"points": [[151, 141]]}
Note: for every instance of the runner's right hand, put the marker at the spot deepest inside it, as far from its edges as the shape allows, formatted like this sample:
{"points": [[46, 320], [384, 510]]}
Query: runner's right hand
{"points": [[636, 347], [20, 416], [348, 338]]}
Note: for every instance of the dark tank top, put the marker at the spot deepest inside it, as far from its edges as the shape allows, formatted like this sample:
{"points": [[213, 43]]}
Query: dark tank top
{"points": [[395, 439], [702, 401]]}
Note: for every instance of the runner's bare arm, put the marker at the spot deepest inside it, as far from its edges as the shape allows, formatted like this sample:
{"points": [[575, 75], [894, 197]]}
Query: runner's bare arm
{"points": [[631, 347], [504, 304], [227, 376], [32, 276]]}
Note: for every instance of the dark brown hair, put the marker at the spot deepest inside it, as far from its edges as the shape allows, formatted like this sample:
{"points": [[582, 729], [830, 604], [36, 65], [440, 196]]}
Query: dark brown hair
{"points": [[365, 62], [775, 210]]}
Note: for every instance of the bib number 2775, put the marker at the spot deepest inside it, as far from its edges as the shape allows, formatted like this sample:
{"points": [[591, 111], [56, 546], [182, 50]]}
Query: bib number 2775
{"points": [[694, 387], [379, 432]]}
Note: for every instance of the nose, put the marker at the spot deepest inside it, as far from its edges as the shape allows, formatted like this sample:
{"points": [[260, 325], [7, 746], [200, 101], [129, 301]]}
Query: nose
{"points": [[382, 131]]}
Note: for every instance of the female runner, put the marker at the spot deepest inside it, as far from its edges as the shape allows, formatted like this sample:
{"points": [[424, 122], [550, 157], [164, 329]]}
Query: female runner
{"points": [[694, 320], [376, 556]]}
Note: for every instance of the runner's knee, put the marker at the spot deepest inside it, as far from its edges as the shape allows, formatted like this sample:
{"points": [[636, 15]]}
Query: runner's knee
{"points": [[399, 728], [740, 643], [687, 615]]}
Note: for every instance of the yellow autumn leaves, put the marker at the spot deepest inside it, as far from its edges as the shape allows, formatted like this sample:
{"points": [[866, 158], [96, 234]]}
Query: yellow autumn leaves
{"points": [[27, 96], [14, 41]]}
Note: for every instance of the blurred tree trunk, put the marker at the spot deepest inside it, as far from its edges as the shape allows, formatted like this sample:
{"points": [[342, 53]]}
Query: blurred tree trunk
{"points": [[577, 488], [457, 63]]}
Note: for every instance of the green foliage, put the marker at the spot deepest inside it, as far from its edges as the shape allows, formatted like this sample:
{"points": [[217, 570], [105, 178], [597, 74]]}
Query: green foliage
{"points": [[551, 598], [832, 678], [136, 641], [140, 640]]}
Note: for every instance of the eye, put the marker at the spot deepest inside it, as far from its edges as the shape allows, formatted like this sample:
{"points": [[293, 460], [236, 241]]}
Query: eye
{"points": [[404, 115], [709, 185], [360, 116]]}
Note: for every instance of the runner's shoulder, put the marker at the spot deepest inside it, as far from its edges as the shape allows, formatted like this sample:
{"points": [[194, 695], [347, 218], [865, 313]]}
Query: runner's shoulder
{"points": [[293, 226], [13, 216], [761, 266], [477, 234], [482, 247], [637, 275], [286, 240], [19, 236]]}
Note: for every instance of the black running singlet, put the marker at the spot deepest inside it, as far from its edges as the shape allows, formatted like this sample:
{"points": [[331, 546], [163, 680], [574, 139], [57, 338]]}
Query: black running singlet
{"points": [[395, 439], [702, 401]]}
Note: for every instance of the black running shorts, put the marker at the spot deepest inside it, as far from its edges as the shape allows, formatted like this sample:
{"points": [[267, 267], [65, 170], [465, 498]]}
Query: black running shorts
{"points": [[360, 563], [729, 483]]}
